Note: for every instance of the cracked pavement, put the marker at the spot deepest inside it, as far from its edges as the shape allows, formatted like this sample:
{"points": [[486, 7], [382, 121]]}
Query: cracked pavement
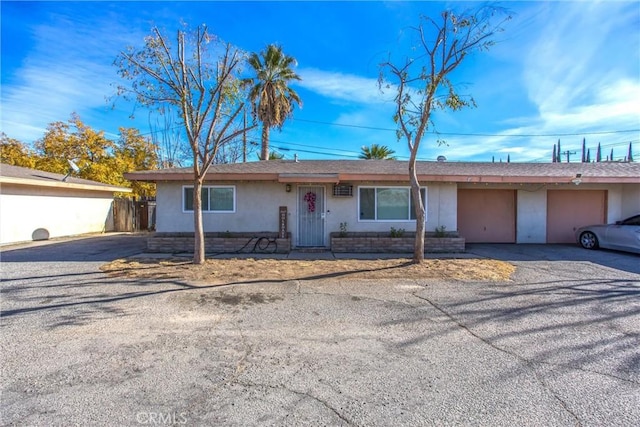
{"points": [[558, 345]]}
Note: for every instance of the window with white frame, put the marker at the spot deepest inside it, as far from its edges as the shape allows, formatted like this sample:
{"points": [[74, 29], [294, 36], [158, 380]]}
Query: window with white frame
{"points": [[387, 203], [215, 198]]}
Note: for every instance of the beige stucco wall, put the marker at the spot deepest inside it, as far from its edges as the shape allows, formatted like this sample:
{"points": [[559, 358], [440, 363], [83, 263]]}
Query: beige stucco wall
{"points": [[623, 200], [630, 200], [257, 207], [531, 215], [61, 212]]}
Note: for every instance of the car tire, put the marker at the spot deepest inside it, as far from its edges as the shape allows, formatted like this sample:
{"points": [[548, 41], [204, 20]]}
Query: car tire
{"points": [[588, 240]]}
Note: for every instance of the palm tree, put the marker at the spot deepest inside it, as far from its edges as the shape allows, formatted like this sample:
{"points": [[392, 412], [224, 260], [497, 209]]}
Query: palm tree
{"points": [[375, 151], [273, 155], [271, 97]]}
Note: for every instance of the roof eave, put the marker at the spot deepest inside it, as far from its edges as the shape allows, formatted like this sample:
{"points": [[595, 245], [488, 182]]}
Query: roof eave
{"points": [[62, 184]]}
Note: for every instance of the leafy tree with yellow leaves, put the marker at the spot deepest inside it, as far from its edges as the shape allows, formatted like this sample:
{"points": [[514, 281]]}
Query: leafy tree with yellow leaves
{"points": [[99, 158], [14, 152]]}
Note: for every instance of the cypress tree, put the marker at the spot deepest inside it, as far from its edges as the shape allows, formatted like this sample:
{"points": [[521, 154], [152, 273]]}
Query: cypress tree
{"points": [[584, 154]]}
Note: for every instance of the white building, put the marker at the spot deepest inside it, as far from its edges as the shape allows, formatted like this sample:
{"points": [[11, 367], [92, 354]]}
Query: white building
{"points": [[482, 202], [37, 205]]}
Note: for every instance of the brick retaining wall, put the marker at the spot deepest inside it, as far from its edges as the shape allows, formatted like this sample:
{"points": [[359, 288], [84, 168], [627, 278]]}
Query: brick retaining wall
{"points": [[220, 243], [377, 243]]}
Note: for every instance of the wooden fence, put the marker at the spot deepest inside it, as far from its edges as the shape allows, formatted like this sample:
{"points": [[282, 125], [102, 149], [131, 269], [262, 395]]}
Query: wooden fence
{"points": [[134, 215]]}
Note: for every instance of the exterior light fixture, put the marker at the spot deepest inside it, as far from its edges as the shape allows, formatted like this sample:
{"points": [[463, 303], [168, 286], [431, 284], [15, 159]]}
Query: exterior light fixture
{"points": [[578, 179], [287, 188]]}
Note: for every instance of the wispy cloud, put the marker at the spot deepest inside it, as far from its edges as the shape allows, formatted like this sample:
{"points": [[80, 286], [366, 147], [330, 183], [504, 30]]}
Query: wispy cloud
{"points": [[580, 70], [69, 70], [343, 87], [570, 72]]}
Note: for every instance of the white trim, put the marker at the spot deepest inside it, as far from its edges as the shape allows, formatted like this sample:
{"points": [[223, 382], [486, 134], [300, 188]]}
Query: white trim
{"points": [[233, 187], [63, 184], [375, 187]]}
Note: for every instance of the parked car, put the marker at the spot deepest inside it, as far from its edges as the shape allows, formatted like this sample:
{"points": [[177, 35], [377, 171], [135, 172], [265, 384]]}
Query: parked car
{"points": [[622, 236]]}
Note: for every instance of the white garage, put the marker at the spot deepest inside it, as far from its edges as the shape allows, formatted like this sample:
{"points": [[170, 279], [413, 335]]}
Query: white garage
{"points": [[37, 205]]}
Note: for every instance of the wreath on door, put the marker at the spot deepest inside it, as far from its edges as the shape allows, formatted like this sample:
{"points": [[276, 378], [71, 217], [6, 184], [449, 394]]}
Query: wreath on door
{"points": [[310, 198]]}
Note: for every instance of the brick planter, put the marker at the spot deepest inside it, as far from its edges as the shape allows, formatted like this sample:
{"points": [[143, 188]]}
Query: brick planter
{"points": [[220, 243], [382, 242]]}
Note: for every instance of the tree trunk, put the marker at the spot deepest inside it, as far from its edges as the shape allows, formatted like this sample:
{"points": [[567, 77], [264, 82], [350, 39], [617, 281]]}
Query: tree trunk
{"points": [[264, 155], [198, 231], [418, 247]]}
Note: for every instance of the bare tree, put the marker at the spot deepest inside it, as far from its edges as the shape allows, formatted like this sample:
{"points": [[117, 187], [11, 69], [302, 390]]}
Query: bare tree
{"points": [[199, 78], [422, 84], [167, 136]]}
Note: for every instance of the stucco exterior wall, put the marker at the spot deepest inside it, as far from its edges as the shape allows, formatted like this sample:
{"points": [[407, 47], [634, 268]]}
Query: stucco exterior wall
{"points": [[56, 212], [630, 203], [257, 206], [623, 200], [531, 215], [256, 209]]}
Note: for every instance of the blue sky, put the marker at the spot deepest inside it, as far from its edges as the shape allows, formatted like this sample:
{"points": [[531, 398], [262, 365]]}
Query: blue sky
{"points": [[560, 70]]}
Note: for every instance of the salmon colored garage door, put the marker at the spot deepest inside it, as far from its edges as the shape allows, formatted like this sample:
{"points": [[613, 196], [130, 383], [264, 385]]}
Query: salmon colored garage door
{"points": [[568, 210], [487, 216]]}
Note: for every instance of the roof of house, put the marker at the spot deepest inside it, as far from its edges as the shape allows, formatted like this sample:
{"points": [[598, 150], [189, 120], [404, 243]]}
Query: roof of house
{"points": [[18, 175], [335, 171]]}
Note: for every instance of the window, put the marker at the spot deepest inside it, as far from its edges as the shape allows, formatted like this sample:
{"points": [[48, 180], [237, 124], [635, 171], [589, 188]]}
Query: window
{"points": [[387, 203], [634, 220], [214, 199]]}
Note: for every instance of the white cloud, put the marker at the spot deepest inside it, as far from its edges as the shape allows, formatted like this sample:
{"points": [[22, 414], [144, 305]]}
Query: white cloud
{"points": [[51, 91], [574, 73], [69, 70], [343, 87]]}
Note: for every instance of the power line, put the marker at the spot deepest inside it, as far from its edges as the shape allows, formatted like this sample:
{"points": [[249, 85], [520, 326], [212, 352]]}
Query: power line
{"points": [[532, 135], [476, 134]]}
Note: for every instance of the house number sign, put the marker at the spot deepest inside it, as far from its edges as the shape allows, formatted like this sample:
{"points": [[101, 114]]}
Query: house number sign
{"points": [[282, 232]]}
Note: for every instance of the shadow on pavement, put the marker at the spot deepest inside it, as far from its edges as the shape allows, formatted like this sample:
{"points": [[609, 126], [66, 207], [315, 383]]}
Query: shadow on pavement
{"points": [[524, 252], [107, 247]]}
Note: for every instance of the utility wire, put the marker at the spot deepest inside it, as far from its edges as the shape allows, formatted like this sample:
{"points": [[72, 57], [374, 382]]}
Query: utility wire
{"points": [[476, 134]]}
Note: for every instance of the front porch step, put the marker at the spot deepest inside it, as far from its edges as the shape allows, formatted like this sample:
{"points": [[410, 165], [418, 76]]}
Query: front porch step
{"points": [[311, 250]]}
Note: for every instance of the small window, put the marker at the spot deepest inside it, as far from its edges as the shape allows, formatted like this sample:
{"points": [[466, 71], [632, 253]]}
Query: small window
{"points": [[387, 203], [214, 199]]}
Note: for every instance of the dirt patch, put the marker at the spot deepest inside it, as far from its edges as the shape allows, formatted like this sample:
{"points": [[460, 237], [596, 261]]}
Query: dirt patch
{"points": [[217, 271]]}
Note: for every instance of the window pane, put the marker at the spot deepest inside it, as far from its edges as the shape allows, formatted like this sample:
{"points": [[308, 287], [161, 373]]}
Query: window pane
{"points": [[393, 203], [188, 199], [367, 203], [424, 202], [205, 199], [221, 199]]}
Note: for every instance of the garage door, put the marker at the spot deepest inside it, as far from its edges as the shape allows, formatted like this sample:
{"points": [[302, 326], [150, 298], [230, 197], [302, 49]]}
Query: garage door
{"points": [[567, 210], [487, 216]]}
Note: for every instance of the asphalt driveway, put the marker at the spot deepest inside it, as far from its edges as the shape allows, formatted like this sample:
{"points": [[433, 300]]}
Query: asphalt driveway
{"points": [[557, 345]]}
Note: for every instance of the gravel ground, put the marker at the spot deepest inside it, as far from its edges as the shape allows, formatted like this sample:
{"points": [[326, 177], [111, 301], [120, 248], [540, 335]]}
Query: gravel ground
{"points": [[557, 345]]}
